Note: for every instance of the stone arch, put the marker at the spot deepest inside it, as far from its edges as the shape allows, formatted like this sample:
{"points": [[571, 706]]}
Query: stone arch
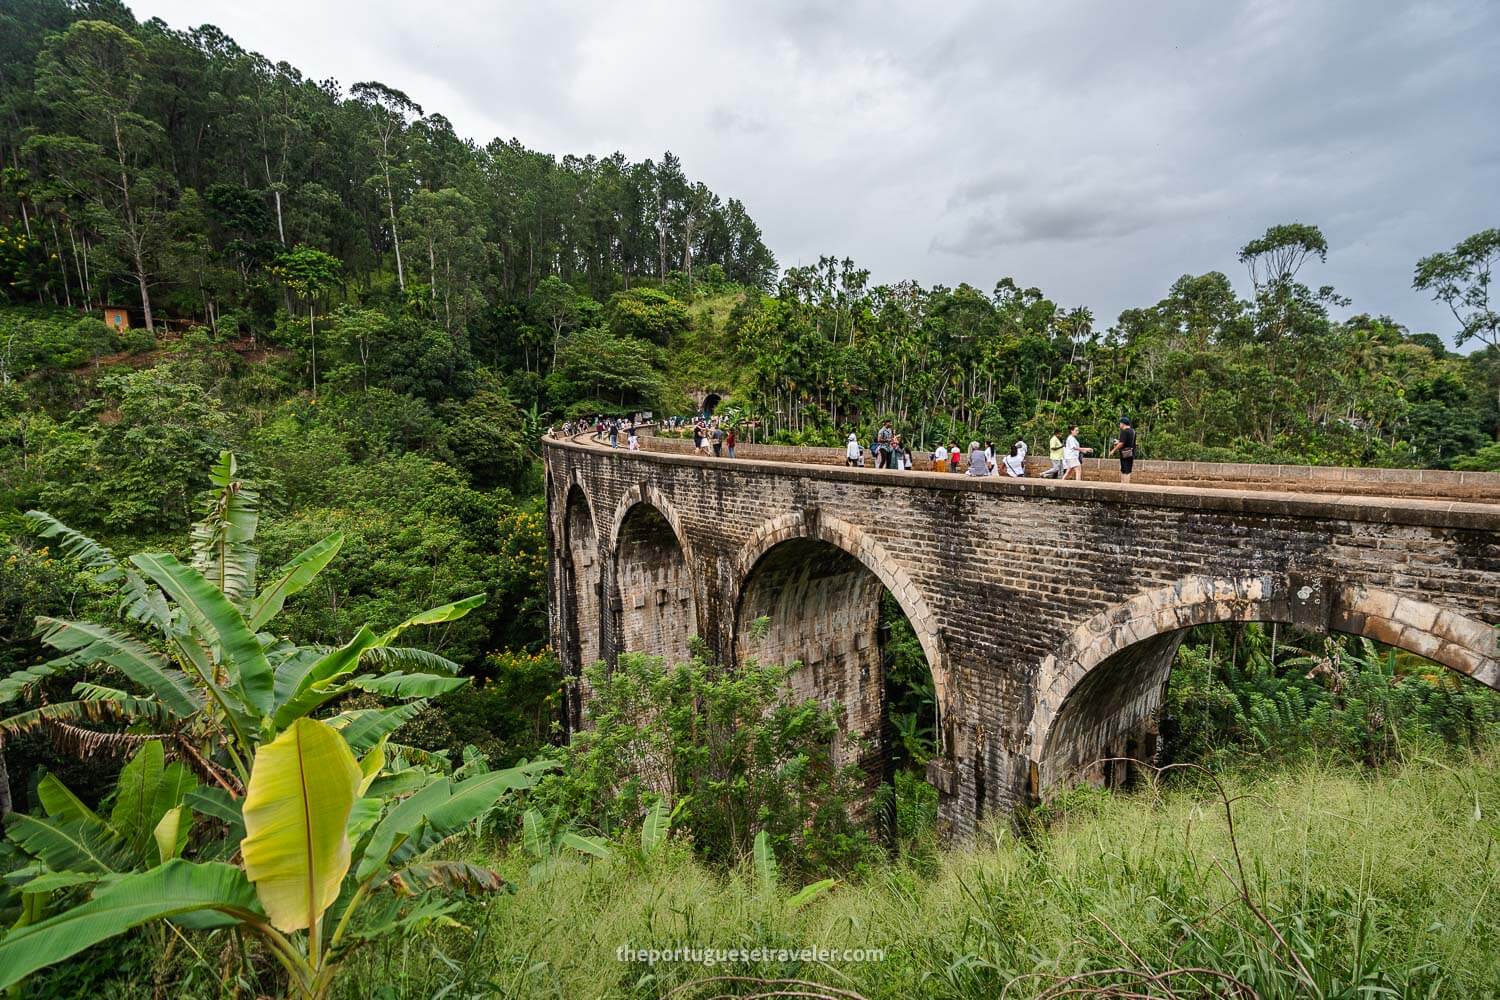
{"points": [[861, 545], [819, 581], [654, 598], [1112, 668]]}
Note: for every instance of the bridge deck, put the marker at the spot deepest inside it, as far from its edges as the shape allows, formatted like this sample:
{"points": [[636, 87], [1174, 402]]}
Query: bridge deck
{"points": [[1433, 489]]}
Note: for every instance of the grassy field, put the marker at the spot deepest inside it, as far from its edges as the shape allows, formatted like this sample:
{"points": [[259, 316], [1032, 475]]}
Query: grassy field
{"points": [[1354, 884]]}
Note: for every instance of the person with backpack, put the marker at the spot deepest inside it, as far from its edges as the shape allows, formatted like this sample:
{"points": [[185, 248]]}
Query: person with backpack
{"points": [[1015, 462], [883, 445]]}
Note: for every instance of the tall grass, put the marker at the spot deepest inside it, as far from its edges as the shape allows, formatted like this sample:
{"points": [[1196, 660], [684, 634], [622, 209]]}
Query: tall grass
{"points": [[1357, 883]]}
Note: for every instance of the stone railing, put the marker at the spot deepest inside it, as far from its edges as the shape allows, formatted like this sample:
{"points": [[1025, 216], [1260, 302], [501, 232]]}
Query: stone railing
{"points": [[1299, 478]]}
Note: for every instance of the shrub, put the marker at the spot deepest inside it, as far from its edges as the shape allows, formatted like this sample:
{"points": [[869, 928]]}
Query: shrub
{"points": [[733, 751], [1236, 695]]}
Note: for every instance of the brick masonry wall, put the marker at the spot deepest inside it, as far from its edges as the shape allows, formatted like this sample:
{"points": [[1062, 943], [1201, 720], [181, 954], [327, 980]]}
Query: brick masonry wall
{"points": [[1020, 589]]}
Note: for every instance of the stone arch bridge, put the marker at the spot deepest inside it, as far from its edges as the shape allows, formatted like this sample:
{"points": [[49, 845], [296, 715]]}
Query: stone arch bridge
{"points": [[1049, 612]]}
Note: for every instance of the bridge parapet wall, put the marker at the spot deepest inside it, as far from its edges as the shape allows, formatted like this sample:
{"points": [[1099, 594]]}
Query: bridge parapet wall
{"points": [[1302, 478]]}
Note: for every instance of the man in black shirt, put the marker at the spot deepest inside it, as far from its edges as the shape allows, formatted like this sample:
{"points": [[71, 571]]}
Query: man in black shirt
{"points": [[1125, 445]]}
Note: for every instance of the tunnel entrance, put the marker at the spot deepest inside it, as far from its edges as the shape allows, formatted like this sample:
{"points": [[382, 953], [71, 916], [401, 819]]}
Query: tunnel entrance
{"points": [[809, 602], [655, 608]]}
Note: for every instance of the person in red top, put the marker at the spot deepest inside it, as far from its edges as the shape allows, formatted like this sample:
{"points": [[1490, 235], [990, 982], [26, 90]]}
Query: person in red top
{"points": [[729, 442]]}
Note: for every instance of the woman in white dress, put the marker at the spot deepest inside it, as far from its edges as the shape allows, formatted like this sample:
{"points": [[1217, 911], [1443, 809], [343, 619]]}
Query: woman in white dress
{"points": [[1072, 450]]}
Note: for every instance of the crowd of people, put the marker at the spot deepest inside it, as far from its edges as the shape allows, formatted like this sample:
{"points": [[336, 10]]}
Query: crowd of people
{"points": [[711, 433], [614, 429], [887, 450]]}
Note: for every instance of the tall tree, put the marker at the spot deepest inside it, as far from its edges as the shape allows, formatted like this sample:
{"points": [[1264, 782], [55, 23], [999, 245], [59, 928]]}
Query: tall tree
{"points": [[445, 225], [389, 111], [309, 272], [1460, 279], [92, 76]]}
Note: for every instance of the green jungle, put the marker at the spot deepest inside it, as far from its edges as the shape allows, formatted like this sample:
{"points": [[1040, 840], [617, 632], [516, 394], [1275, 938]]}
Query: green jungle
{"points": [[278, 711]]}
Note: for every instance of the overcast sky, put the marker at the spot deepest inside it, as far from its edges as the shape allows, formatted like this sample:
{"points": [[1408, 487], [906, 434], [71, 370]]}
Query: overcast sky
{"points": [[1096, 150]]}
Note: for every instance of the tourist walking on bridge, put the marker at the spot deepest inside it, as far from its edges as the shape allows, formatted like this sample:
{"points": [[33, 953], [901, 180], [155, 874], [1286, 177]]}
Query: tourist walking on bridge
{"points": [[1055, 453], [853, 450], [1125, 445], [1072, 450], [940, 457], [729, 442]]}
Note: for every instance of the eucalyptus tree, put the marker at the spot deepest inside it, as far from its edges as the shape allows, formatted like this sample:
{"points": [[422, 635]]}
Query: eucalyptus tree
{"points": [[272, 106], [91, 75], [446, 226], [388, 112]]}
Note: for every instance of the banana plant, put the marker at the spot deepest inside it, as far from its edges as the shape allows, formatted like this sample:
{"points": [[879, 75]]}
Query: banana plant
{"points": [[552, 845], [204, 674], [334, 851], [70, 847], [768, 875]]}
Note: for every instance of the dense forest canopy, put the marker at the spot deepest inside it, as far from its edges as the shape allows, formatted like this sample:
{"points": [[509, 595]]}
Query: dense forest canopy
{"points": [[175, 173]]}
